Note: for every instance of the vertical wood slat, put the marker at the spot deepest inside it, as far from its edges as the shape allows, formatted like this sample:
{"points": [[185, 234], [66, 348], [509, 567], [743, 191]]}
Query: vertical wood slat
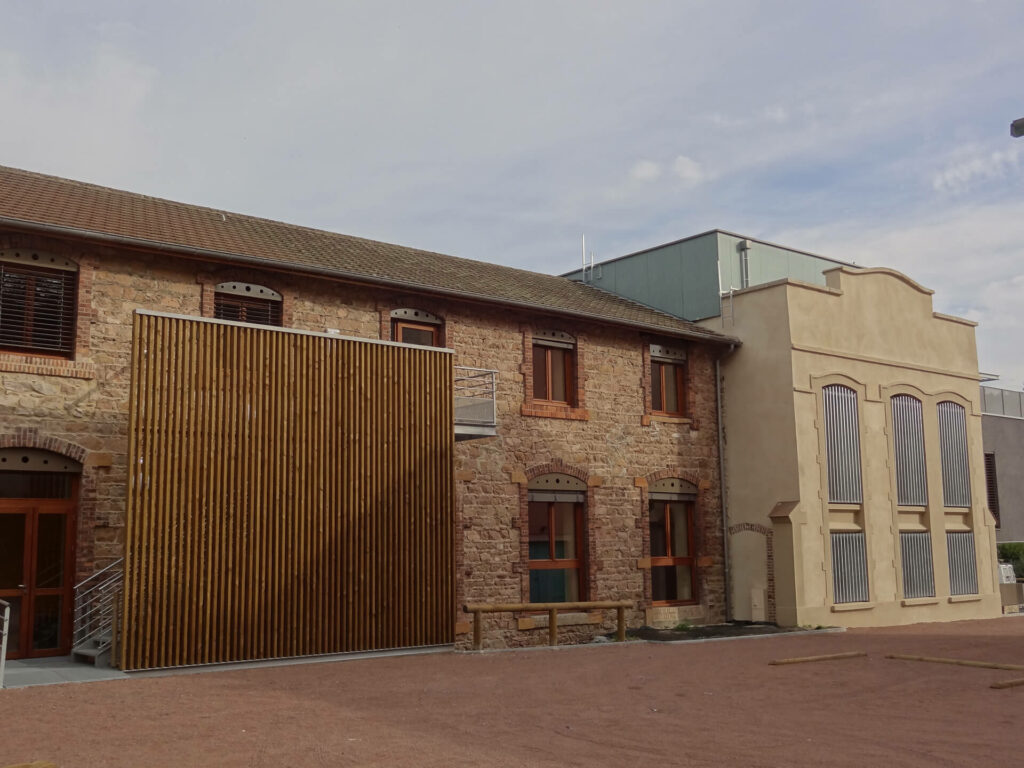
{"points": [[289, 494]]}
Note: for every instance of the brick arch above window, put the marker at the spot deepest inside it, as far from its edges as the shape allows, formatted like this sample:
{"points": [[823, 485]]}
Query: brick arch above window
{"points": [[30, 438], [557, 466]]}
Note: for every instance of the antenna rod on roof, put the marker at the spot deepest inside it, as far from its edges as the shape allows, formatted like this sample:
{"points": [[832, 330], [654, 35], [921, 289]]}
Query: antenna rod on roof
{"points": [[584, 257], [591, 265]]}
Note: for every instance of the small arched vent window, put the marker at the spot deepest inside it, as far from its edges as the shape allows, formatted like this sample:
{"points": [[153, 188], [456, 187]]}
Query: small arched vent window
{"points": [[247, 303], [414, 326]]}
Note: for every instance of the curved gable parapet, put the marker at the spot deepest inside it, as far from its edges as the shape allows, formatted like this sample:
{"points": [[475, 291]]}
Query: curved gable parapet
{"points": [[834, 277]]}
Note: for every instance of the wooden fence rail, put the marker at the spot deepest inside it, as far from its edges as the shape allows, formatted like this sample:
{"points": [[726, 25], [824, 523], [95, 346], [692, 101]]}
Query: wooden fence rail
{"points": [[479, 609]]}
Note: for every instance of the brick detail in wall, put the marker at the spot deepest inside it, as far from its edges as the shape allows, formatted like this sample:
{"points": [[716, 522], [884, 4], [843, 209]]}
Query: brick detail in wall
{"points": [[769, 546], [530, 407], [209, 281], [702, 517], [645, 387]]}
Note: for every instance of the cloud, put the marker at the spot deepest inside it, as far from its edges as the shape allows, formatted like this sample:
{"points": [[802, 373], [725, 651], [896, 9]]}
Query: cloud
{"points": [[974, 166], [689, 171], [645, 170]]}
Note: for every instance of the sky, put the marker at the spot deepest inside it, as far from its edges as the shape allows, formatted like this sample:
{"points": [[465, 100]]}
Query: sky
{"points": [[874, 132]]}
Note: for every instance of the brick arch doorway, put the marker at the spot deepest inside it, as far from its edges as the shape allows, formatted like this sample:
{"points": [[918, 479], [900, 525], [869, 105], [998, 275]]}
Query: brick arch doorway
{"points": [[38, 509]]}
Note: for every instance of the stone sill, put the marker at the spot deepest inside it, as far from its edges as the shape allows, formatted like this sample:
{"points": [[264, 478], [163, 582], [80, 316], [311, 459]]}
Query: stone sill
{"points": [[46, 366], [555, 411], [843, 607], [564, 620], [910, 602], [656, 418], [964, 598]]}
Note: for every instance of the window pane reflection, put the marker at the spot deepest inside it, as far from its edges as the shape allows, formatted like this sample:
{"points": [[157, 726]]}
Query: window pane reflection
{"points": [[680, 530], [559, 585], [50, 551]]}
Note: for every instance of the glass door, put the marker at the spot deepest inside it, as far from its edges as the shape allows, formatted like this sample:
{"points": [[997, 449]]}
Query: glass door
{"points": [[36, 569]]}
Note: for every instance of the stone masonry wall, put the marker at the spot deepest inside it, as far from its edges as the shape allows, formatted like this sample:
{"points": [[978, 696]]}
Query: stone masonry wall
{"points": [[611, 440]]}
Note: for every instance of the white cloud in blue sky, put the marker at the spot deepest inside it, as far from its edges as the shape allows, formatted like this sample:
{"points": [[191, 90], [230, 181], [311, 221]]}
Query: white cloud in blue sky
{"points": [[870, 131]]}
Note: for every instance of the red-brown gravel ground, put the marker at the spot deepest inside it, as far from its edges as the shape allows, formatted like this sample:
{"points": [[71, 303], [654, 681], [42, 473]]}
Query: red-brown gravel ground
{"points": [[715, 703]]}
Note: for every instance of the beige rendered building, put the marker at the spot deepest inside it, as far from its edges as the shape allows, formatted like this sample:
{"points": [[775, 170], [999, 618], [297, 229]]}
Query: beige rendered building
{"points": [[855, 482]]}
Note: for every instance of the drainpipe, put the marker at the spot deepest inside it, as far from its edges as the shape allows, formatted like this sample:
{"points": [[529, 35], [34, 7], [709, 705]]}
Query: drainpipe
{"points": [[723, 495]]}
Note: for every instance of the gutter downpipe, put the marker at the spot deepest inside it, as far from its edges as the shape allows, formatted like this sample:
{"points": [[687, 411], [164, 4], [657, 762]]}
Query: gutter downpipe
{"points": [[723, 492]]}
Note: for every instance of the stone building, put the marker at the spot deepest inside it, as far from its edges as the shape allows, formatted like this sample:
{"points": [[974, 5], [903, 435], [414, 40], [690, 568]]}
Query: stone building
{"points": [[589, 469]]}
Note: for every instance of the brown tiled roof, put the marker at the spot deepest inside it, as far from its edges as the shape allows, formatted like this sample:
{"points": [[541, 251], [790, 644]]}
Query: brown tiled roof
{"points": [[33, 200]]}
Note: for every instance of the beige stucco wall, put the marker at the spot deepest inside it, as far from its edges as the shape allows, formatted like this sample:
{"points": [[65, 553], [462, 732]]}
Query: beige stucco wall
{"points": [[874, 331]]}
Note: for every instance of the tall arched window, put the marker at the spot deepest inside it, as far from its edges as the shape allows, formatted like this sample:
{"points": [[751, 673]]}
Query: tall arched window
{"points": [[842, 446], [956, 483], [557, 506], [842, 440], [247, 303]]}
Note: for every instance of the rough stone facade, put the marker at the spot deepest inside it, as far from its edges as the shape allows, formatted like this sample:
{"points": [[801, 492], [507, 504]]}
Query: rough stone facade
{"points": [[609, 439]]}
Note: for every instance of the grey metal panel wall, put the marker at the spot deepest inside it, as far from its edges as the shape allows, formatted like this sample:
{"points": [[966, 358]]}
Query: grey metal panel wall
{"points": [[908, 447], [963, 569], [918, 567], [766, 262], [1002, 402], [849, 568], [1004, 437], [956, 483], [842, 441], [678, 278]]}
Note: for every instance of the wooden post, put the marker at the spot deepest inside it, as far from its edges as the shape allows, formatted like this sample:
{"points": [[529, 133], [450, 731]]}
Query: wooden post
{"points": [[620, 616], [477, 640], [553, 626]]}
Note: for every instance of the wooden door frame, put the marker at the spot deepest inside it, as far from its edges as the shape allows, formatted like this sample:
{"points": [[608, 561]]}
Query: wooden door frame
{"points": [[32, 509]]}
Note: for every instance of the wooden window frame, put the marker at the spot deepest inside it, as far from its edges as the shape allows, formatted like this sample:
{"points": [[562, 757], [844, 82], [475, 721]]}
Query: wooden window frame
{"points": [[678, 369], [570, 374], [552, 563], [276, 310], [434, 329], [670, 560], [68, 318]]}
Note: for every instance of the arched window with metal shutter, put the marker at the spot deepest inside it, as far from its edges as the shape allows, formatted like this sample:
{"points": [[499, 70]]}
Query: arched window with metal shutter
{"points": [[247, 303], [908, 450], [842, 443], [956, 483]]}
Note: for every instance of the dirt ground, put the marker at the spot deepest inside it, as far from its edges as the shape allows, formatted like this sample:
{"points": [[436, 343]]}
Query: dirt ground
{"points": [[712, 703]]}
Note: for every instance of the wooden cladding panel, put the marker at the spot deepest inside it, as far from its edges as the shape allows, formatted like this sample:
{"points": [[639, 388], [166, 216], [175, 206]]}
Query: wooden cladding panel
{"points": [[289, 494]]}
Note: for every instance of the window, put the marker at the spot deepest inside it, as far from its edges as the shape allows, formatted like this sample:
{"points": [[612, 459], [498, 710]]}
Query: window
{"points": [[908, 447], [849, 567], [37, 303], [554, 358], [556, 547], [956, 484], [247, 303], [673, 567], [918, 570], [963, 568], [414, 326], [992, 486], [556, 532], [842, 444], [668, 381]]}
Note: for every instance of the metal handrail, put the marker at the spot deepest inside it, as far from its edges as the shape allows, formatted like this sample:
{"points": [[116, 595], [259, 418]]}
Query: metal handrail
{"points": [[475, 385], [116, 564], [94, 606], [5, 624]]}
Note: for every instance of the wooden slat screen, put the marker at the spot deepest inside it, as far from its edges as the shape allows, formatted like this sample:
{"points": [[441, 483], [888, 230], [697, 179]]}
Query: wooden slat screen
{"points": [[291, 494]]}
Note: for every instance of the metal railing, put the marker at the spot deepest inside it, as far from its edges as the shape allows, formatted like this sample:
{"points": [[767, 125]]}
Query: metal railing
{"points": [[95, 607], [5, 623], [475, 396]]}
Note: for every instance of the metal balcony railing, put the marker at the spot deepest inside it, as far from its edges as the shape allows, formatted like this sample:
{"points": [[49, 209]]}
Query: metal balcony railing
{"points": [[475, 394]]}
